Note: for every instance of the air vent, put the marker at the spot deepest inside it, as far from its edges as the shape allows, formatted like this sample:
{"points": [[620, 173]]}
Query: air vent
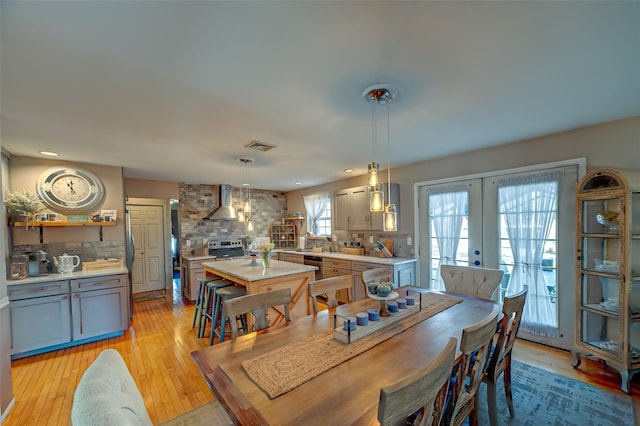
{"points": [[260, 146]]}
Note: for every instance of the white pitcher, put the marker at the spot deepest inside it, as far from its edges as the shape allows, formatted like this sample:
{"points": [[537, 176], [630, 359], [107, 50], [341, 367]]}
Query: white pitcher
{"points": [[67, 263]]}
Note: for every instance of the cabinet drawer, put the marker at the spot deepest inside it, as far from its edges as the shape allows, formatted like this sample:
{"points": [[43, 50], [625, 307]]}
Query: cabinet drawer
{"points": [[98, 283], [197, 264], [365, 266], [29, 291], [293, 258], [336, 264], [334, 272]]}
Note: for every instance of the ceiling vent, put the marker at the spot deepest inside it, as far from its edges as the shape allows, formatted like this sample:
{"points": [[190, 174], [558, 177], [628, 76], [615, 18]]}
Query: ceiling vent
{"points": [[260, 146]]}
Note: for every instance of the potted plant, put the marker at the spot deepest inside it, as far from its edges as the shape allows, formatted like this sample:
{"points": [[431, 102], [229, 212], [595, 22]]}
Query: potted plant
{"points": [[23, 205]]}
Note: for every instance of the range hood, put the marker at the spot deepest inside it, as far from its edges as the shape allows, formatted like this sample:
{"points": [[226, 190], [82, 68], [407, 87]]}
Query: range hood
{"points": [[226, 210]]}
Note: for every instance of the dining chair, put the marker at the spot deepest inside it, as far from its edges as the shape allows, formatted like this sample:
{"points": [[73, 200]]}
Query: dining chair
{"points": [[258, 304], [330, 287], [475, 345], [500, 359], [378, 274], [471, 281], [422, 392]]}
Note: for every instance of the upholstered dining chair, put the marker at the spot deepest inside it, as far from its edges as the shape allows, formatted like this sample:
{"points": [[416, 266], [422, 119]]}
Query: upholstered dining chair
{"points": [[258, 304], [421, 392], [500, 359], [330, 287], [475, 345], [470, 281], [377, 274]]}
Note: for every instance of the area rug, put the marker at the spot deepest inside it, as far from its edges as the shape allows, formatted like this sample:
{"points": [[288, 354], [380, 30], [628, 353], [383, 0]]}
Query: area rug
{"points": [[159, 294], [283, 369], [543, 398]]}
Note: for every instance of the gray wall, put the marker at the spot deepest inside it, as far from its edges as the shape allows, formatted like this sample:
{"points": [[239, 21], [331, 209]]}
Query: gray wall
{"points": [[6, 390]]}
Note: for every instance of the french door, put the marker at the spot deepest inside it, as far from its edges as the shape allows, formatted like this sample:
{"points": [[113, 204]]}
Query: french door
{"points": [[503, 221]]}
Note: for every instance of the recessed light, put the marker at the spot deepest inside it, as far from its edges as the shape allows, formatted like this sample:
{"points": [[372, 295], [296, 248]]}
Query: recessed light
{"points": [[298, 183], [49, 153], [348, 170]]}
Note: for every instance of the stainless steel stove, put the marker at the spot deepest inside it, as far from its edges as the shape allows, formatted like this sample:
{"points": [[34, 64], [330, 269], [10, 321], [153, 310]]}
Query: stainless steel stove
{"points": [[223, 250]]}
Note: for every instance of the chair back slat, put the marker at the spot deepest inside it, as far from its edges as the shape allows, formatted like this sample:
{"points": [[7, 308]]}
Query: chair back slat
{"points": [[380, 275], [512, 309], [422, 390], [259, 305], [330, 287], [475, 345]]}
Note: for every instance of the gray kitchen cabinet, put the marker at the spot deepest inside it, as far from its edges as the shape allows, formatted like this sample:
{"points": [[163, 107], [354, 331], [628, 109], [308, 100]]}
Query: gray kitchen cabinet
{"points": [[192, 273], [37, 318], [404, 274], [351, 208], [50, 315], [99, 306]]}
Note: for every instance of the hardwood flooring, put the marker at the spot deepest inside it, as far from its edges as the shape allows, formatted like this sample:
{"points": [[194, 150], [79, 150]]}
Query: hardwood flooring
{"points": [[157, 348]]}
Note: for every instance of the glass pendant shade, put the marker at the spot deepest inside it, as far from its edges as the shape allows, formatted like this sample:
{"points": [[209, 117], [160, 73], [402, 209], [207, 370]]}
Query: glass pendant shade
{"points": [[374, 169], [249, 225], [247, 207], [390, 218], [240, 215], [376, 199]]}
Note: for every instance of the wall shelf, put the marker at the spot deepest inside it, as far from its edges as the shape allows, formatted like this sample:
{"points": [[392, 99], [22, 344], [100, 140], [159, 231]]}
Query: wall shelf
{"points": [[42, 225]]}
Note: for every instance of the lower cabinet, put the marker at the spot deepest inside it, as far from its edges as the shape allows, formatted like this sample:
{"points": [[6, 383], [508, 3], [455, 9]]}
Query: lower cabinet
{"points": [[79, 309], [98, 306], [336, 268], [358, 285], [192, 272], [40, 322]]}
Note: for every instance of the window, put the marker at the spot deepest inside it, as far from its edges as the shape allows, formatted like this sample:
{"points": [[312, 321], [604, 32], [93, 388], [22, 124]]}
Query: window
{"points": [[323, 223], [318, 214]]}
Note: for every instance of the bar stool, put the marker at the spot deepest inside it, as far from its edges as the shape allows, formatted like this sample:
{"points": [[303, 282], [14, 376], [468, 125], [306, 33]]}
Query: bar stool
{"points": [[210, 289], [218, 313], [200, 303]]}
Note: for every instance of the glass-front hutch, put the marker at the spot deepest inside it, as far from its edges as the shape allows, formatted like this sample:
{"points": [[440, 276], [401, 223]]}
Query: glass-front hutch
{"points": [[608, 270]]}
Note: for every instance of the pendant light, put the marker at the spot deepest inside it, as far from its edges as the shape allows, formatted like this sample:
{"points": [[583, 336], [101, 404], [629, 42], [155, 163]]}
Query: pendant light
{"points": [[390, 215], [244, 213], [376, 95]]}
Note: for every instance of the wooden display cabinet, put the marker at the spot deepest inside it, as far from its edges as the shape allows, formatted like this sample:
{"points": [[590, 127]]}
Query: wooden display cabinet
{"points": [[608, 271], [283, 235]]}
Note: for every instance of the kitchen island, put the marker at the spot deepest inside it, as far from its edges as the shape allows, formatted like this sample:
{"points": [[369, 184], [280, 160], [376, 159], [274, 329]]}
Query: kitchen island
{"points": [[258, 279]]}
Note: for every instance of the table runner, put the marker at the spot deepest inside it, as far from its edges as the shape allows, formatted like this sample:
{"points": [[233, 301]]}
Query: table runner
{"points": [[278, 371]]}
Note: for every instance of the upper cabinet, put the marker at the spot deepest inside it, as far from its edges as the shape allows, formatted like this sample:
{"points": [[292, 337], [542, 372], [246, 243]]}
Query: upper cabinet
{"points": [[608, 270], [351, 208]]}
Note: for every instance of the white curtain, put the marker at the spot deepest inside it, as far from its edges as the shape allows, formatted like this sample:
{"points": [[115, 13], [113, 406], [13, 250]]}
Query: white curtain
{"points": [[447, 210], [529, 205], [316, 205]]}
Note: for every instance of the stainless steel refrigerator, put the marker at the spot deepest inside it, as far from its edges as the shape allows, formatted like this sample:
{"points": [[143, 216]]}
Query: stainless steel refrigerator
{"points": [[130, 253]]}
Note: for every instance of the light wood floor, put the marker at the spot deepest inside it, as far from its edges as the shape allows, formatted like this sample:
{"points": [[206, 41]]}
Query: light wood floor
{"points": [[157, 350]]}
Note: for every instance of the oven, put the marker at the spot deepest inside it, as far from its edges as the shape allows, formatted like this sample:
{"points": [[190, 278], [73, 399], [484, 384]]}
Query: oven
{"points": [[223, 250], [314, 261]]}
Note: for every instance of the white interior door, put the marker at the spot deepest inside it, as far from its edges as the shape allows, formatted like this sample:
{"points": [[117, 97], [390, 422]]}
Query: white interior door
{"points": [[147, 227]]}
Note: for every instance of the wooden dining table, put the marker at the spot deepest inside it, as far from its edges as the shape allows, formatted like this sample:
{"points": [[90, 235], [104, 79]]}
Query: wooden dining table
{"points": [[345, 394]]}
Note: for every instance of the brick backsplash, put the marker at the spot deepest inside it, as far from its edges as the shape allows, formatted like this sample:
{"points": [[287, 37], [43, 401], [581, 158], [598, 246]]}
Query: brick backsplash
{"points": [[88, 251], [197, 201]]}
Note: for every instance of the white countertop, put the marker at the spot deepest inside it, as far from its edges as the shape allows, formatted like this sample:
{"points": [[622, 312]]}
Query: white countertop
{"points": [[199, 257], [70, 276], [355, 257], [241, 268]]}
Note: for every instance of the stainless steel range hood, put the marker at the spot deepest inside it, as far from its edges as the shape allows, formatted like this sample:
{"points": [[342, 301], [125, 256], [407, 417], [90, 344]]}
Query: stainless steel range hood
{"points": [[226, 210]]}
